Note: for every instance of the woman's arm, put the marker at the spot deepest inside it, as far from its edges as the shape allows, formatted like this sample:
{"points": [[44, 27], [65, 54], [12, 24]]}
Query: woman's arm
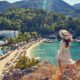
{"points": [[59, 56], [60, 66]]}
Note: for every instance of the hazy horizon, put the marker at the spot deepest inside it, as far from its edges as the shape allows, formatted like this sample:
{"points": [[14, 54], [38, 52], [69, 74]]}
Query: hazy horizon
{"points": [[71, 2]]}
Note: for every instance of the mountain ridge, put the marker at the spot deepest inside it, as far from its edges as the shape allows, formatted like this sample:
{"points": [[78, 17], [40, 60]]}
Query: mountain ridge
{"points": [[76, 6], [52, 5]]}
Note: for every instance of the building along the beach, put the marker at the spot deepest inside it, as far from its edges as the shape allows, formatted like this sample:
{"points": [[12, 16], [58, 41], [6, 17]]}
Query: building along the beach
{"points": [[5, 34], [8, 33]]}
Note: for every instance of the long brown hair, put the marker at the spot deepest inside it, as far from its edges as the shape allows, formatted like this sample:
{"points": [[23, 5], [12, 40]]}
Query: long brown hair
{"points": [[67, 41]]}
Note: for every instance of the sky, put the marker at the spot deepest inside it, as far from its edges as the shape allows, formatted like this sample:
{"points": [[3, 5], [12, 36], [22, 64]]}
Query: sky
{"points": [[71, 2]]}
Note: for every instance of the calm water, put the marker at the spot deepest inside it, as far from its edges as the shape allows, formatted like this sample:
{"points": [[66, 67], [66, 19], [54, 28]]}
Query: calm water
{"points": [[48, 51], [1, 52]]}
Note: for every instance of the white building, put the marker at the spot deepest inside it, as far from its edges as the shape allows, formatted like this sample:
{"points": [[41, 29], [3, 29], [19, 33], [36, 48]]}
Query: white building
{"points": [[3, 42], [8, 33], [5, 34]]}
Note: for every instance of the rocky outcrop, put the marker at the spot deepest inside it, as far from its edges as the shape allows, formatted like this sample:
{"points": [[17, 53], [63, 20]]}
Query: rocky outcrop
{"points": [[42, 71], [72, 75]]}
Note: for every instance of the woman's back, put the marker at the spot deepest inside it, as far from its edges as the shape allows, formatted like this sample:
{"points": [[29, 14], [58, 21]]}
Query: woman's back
{"points": [[64, 53]]}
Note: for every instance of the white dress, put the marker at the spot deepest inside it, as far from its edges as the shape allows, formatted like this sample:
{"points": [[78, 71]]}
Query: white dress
{"points": [[64, 55]]}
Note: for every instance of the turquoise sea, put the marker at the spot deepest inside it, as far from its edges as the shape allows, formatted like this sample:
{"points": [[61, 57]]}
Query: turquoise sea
{"points": [[48, 51]]}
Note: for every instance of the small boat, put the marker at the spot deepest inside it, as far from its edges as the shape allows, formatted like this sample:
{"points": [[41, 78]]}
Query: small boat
{"points": [[48, 41], [3, 42], [77, 40], [37, 58]]}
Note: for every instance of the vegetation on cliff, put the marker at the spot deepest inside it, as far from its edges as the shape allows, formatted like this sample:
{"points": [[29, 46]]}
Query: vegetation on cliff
{"points": [[26, 36], [41, 21], [24, 62], [43, 71]]}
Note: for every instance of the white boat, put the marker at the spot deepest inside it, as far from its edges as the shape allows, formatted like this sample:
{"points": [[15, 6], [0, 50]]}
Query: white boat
{"points": [[3, 42], [37, 58], [77, 40], [48, 41]]}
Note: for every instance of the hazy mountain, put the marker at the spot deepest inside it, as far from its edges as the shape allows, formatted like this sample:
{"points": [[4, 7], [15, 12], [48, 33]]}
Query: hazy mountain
{"points": [[53, 5], [60, 6], [4, 5], [76, 6], [29, 4]]}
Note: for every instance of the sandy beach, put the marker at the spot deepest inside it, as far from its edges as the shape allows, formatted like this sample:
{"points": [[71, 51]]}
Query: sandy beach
{"points": [[13, 53], [33, 46], [7, 59]]}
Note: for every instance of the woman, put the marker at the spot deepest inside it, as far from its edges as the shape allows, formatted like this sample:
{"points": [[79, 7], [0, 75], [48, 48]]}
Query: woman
{"points": [[63, 56]]}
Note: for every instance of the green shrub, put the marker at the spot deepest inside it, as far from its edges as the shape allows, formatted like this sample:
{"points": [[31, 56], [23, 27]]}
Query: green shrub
{"points": [[25, 62]]}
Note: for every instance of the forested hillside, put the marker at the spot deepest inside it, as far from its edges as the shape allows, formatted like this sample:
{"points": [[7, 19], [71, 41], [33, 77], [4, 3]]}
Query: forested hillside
{"points": [[41, 21]]}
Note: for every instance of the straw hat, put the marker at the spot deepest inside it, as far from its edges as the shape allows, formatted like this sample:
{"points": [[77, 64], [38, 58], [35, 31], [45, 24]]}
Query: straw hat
{"points": [[65, 34]]}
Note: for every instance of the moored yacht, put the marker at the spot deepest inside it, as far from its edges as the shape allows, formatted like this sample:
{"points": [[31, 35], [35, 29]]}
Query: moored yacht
{"points": [[48, 40]]}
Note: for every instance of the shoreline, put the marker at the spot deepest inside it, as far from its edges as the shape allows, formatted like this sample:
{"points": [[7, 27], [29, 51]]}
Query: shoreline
{"points": [[28, 47], [6, 60], [28, 51]]}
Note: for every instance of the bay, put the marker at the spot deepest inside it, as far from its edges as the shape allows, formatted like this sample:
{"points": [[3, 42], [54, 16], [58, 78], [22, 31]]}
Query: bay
{"points": [[48, 51]]}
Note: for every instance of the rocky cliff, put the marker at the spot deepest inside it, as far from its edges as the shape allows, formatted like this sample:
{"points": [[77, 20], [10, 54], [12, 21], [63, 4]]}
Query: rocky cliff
{"points": [[43, 71]]}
